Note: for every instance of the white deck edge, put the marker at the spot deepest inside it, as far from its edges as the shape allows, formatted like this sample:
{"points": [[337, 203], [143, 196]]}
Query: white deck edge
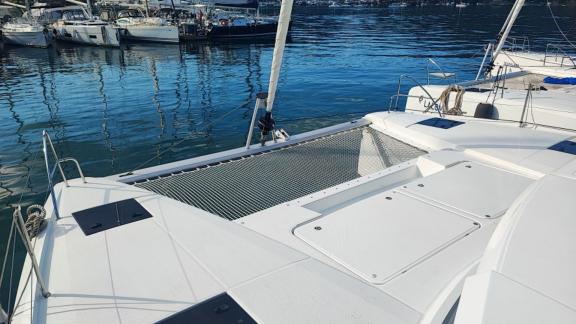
{"points": [[168, 168]]}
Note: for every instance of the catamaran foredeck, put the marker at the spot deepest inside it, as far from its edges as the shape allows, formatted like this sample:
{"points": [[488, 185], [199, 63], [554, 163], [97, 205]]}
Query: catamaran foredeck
{"points": [[403, 237], [399, 217], [242, 186]]}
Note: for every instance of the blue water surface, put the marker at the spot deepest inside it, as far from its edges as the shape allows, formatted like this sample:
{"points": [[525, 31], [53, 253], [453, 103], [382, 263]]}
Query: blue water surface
{"points": [[114, 109]]}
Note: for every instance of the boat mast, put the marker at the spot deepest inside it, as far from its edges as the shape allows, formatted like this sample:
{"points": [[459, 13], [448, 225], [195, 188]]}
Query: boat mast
{"points": [[27, 4], [507, 27], [147, 8], [281, 34], [266, 123]]}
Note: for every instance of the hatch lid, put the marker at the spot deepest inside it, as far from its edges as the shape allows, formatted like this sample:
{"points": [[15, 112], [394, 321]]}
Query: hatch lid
{"points": [[478, 190], [442, 123], [105, 217], [221, 309], [568, 147], [385, 235]]}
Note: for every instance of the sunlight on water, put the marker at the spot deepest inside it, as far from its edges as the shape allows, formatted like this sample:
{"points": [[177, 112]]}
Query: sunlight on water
{"points": [[112, 109]]}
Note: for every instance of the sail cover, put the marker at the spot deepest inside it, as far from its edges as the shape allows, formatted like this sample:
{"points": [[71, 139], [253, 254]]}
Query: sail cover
{"points": [[253, 4]]}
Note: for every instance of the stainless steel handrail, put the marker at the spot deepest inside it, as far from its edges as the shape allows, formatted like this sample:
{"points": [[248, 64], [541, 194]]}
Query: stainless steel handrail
{"points": [[69, 159], [557, 51], [444, 74], [260, 103], [434, 103], [513, 45], [402, 95], [47, 143]]}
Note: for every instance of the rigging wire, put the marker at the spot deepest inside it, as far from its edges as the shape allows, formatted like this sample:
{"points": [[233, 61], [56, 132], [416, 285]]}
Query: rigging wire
{"points": [[29, 174], [558, 27], [11, 246], [351, 113], [11, 272], [534, 125], [22, 292], [192, 135], [5, 260]]}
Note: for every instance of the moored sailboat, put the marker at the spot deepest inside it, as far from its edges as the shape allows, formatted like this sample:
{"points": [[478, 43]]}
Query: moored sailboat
{"points": [[227, 24], [25, 33], [238, 19], [75, 24], [135, 26]]}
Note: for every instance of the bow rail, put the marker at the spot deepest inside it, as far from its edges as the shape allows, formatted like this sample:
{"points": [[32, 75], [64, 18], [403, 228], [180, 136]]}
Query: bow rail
{"points": [[47, 143]]}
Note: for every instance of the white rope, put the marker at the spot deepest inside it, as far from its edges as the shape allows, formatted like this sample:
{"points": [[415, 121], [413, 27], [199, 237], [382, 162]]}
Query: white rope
{"points": [[558, 26]]}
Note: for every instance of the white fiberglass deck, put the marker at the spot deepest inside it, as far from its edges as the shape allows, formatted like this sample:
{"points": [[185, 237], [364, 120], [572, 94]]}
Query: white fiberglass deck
{"points": [[312, 259], [548, 105], [414, 222], [557, 65]]}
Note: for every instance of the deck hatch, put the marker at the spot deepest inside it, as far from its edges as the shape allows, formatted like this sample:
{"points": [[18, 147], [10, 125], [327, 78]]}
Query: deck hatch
{"points": [[385, 235], [221, 309], [440, 123], [568, 147], [237, 188], [472, 188], [104, 217]]}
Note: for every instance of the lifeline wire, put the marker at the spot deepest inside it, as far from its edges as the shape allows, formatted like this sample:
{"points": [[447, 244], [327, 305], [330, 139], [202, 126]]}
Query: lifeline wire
{"points": [[169, 148]]}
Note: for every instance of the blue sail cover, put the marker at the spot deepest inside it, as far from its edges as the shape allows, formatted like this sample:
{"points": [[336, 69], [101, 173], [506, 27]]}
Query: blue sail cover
{"points": [[251, 4], [552, 80]]}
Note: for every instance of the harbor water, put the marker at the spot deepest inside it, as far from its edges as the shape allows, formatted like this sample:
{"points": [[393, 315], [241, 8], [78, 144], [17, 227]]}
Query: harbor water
{"points": [[142, 105]]}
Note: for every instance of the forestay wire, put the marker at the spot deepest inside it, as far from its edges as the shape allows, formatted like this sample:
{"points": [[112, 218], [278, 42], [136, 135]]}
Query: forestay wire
{"points": [[558, 26]]}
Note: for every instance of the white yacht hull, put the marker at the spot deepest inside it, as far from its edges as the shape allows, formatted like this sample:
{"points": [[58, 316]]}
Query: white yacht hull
{"points": [[150, 33], [548, 108], [99, 35], [555, 65], [26, 38]]}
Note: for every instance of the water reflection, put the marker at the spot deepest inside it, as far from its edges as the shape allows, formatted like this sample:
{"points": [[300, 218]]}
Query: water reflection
{"points": [[112, 109], [142, 98]]}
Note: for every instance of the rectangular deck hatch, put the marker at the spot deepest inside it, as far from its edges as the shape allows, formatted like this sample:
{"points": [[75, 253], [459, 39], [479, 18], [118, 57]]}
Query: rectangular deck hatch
{"points": [[440, 123], [105, 217], [567, 147], [385, 235], [221, 309], [475, 189]]}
